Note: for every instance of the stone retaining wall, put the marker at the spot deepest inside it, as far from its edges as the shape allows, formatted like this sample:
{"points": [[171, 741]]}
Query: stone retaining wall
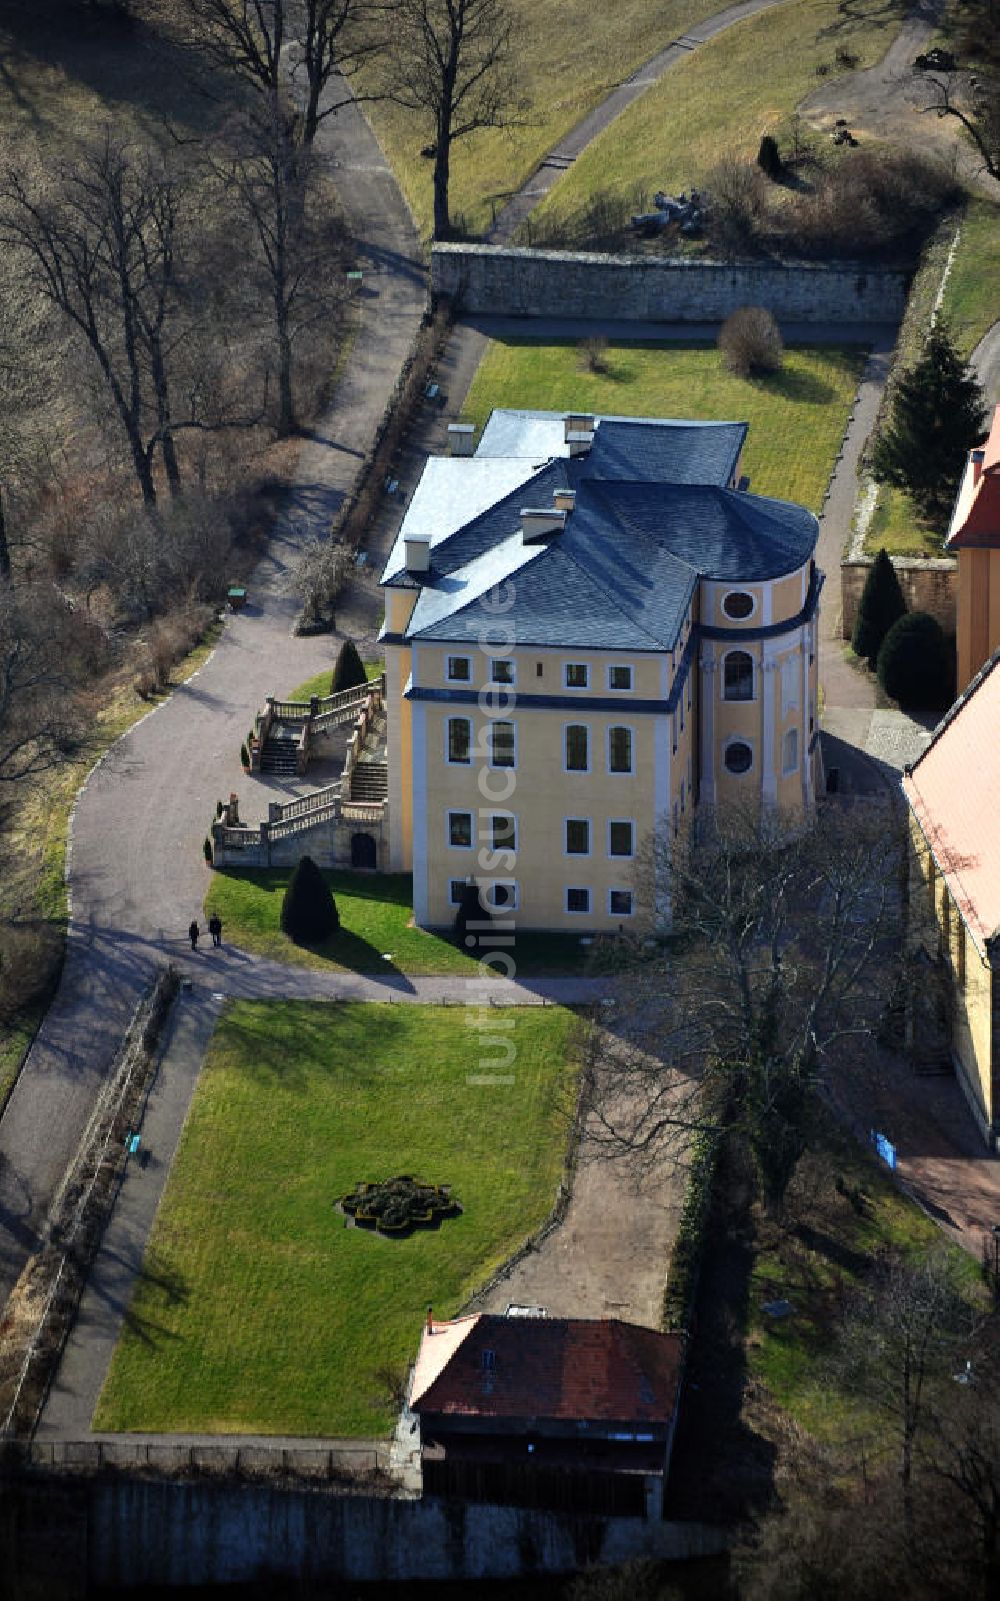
{"points": [[928, 584], [495, 281]]}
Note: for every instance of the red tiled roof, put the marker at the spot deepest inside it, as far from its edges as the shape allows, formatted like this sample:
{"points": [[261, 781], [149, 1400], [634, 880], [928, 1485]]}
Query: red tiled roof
{"points": [[952, 790], [975, 522], [567, 1368]]}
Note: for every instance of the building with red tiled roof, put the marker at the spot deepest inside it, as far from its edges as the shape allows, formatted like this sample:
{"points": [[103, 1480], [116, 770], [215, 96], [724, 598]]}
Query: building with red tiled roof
{"points": [[974, 538], [952, 792], [570, 1412]]}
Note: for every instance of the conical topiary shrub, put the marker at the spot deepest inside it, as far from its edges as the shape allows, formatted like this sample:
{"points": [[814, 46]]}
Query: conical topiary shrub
{"points": [[350, 669], [914, 664], [881, 605], [308, 911]]}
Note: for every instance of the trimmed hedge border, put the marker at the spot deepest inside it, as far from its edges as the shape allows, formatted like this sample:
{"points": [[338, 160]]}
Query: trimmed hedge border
{"points": [[689, 1243]]}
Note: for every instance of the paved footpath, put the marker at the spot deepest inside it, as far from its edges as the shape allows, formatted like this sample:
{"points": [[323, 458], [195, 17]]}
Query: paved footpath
{"points": [[137, 874]]}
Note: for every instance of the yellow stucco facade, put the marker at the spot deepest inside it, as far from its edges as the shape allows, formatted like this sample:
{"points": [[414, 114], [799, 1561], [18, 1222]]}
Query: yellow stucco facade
{"points": [[971, 992], [978, 612]]}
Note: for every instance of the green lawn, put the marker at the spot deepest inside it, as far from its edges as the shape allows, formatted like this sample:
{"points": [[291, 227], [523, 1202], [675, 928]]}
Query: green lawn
{"points": [[258, 1310], [971, 300], [320, 683], [376, 922], [569, 54], [797, 418], [897, 526], [746, 83], [825, 1249]]}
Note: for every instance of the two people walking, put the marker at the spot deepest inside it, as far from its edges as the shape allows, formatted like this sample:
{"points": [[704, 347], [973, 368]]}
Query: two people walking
{"points": [[214, 928]]}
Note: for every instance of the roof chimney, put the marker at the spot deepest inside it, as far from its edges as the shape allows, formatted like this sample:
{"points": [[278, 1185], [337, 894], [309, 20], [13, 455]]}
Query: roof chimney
{"points": [[418, 553], [540, 522], [461, 438], [564, 500], [430, 1318], [977, 458], [579, 432]]}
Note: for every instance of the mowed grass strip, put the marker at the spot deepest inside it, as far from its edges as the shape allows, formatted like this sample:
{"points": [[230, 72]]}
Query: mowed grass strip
{"points": [[377, 933], [258, 1310], [797, 417], [971, 300], [731, 91], [568, 55]]}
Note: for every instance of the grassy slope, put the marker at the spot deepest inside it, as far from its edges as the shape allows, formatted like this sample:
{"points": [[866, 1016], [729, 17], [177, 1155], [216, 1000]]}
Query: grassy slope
{"points": [[260, 1311], [569, 55], [797, 418], [814, 1263], [320, 683], [734, 89], [376, 920]]}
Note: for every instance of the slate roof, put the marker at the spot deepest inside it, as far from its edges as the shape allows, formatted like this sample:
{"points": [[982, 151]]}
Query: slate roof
{"points": [[668, 449], [952, 789], [572, 1369], [622, 572]]}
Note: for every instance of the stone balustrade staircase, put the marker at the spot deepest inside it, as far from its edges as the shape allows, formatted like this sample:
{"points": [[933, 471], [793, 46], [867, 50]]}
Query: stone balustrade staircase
{"points": [[279, 756], [370, 781]]}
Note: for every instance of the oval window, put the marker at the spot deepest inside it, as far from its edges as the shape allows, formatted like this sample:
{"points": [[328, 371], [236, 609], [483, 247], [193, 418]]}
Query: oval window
{"points": [[738, 605], [739, 757]]}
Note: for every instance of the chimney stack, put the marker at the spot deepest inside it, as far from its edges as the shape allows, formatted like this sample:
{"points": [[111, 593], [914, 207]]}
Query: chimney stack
{"points": [[430, 1318], [540, 522], [977, 458], [418, 553], [579, 432], [564, 500], [461, 438]]}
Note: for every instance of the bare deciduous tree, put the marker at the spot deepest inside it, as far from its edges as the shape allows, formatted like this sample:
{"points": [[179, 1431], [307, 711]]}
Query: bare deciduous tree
{"points": [[975, 103], [101, 246], [302, 44], [453, 60], [41, 713], [320, 575], [782, 947]]}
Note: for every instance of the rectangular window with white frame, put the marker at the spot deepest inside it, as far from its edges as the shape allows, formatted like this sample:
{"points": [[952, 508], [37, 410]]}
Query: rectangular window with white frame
{"points": [[619, 750], [576, 675], [578, 836], [503, 832], [502, 670], [502, 895], [621, 837], [620, 902], [459, 741], [459, 670], [577, 899], [577, 748], [620, 678], [460, 830], [503, 745]]}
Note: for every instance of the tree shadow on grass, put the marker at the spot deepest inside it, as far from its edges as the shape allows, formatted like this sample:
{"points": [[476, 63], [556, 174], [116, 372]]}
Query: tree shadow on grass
{"points": [[802, 388], [158, 1284], [358, 955]]}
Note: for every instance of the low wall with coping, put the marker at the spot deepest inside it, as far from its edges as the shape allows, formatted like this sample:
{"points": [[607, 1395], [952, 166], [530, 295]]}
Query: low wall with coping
{"points": [[503, 282], [929, 584]]}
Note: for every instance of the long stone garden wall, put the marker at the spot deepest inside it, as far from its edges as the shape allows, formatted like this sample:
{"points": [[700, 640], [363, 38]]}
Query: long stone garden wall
{"points": [[928, 584], [494, 281]]}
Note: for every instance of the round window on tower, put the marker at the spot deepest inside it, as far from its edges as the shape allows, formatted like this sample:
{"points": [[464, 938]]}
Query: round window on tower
{"points": [[738, 757], [738, 605]]}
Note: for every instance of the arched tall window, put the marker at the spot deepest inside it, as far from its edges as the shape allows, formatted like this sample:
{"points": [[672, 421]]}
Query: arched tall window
{"points": [[737, 681]]}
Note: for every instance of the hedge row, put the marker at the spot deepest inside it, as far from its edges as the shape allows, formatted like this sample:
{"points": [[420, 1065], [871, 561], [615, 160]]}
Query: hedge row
{"points": [[685, 1258]]}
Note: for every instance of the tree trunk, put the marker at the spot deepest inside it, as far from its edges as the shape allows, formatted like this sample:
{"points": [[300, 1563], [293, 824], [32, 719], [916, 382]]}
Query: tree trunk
{"points": [[4, 546], [442, 178]]}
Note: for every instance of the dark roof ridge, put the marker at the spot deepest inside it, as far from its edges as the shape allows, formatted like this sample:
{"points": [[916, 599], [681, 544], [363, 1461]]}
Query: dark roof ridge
{"points": [[955, 708]]}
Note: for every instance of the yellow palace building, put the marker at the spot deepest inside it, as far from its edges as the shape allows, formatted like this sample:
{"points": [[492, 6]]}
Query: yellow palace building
{"points": [[592, 627]]}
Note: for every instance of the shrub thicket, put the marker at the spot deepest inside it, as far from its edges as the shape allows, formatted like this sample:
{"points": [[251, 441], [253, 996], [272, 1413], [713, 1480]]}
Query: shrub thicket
{"points": [[914, 663], [750, 342], [881, 605], [308, 911]]}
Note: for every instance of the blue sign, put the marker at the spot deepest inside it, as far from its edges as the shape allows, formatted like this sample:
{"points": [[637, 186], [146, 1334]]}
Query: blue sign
{"points": [[884, 1148]]}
